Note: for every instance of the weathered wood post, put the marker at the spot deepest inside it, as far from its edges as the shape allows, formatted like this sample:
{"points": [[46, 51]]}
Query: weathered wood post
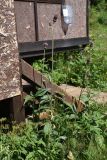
{"points": [[10, 84]]}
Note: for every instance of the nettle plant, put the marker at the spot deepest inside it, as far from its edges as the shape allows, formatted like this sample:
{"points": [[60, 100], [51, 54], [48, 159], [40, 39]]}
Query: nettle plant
{"points": [[55, 130], [82, 68], [68, 133]]}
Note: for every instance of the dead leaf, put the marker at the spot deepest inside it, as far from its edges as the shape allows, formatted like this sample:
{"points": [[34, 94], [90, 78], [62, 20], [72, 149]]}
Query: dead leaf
{"points": [[70, 156]]}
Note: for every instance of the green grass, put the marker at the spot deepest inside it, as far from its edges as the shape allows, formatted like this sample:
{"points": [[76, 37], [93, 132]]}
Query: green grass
{"points": [[98, 32]]}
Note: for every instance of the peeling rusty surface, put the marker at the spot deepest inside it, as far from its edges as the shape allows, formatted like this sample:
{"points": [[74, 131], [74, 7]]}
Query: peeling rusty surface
{"points": [[9, 56], [25, 21], [46, 12]]}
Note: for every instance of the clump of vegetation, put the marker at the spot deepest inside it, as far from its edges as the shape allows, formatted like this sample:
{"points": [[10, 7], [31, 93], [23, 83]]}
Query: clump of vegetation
{"points": [[85, 68], [103, 18], [63, 134], [75, 67], [98, 3]]}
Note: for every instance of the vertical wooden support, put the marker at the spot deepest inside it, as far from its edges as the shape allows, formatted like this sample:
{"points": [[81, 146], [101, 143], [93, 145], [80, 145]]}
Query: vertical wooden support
{"points": [[17, 111], [10, 88]]}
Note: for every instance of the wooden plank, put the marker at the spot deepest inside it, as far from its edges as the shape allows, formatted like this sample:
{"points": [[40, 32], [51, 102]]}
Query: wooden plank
{"points": [[43, 1], [25, 21], [49, 1], [35, 77], [39, 54], [32, 49], [25, 0], [17, 111]]}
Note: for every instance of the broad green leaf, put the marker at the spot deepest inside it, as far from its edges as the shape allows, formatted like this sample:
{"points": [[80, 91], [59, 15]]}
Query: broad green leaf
{"points": [[28, 98], [47, 128], [41, 152], [41, 92]]}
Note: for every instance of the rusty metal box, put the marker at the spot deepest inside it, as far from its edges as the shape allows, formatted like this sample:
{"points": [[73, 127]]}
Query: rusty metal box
{"points": [[35, 25]]}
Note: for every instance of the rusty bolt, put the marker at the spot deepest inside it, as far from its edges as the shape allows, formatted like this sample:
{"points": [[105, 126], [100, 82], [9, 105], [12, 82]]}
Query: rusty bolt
{"points": [[55, 18], [45, 45]]}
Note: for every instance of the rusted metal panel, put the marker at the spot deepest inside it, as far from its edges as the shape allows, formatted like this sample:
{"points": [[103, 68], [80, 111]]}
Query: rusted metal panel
{"points": [[46, 12], [9, 56], [25, 21]]}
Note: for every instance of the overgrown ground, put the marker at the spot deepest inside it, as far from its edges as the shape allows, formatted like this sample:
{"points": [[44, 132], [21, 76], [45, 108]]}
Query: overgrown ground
{"points": [[83, 68], [55, 131]]}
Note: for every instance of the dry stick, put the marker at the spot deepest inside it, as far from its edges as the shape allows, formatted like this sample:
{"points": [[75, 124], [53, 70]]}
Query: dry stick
{"points": [[43, 68], [82, 89], [52, 50], [52, 60], [66, 78], [44, 58]]}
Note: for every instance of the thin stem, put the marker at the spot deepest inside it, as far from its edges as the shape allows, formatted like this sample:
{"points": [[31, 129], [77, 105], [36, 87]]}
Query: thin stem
{"points": [[52, 51], [52, 62], [44, 56]]}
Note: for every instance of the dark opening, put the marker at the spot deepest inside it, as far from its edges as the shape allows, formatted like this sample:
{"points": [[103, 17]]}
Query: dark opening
{"points": [[5, 108]]}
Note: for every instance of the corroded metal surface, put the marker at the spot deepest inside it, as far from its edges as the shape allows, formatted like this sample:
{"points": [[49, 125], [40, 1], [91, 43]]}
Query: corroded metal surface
{"points": [[25, 21], [9, 56], [46, 12]]}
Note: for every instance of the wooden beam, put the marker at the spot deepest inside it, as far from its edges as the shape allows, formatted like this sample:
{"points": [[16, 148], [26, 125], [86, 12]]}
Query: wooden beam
{"points": [[49, 1], [42, 1], [17, 111], [37, 78], [35, 47]]}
